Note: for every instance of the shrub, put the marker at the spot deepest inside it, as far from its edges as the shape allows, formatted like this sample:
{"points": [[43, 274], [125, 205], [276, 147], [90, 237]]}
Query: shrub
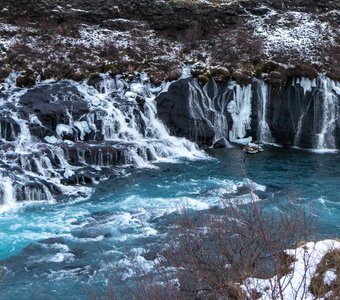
{"points": [[210, 254]]}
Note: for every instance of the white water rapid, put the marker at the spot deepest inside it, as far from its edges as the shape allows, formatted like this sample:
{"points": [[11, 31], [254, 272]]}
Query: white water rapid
{"points": [[59, 138]]}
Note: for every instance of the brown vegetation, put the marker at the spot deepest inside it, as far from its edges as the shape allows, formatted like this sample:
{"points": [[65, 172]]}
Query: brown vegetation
{"points": [[318, 287], [210, 254]]}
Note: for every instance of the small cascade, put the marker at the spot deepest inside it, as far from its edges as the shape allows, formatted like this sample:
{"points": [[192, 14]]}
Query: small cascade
{"points": [[305, 105], [8, 196], [263, 131], [327, 113], [218, 106], [9, 129], [304, 113], [240, 110], [60, 137], [208, 105], [318, 112]]}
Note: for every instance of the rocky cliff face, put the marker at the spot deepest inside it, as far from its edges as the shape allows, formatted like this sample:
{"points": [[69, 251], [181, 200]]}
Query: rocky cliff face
{"points": [[303, 113]]}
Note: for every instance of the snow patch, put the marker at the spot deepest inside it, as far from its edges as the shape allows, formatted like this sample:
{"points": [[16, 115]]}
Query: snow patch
{"points": [[296, 32], [295, 285]]}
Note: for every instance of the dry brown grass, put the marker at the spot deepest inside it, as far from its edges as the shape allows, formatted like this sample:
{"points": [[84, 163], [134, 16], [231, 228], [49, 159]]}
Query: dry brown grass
{"points": [[318, 287]]}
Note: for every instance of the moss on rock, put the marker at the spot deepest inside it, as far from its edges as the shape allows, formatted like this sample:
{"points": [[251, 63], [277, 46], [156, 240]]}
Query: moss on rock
{"points": [[302, 70], [174, 74], [219, 74], [203, 79], [109, 68], [198, 69], [4, 72], [276, 79], [242, 78], [27, 79], [156, 76]]}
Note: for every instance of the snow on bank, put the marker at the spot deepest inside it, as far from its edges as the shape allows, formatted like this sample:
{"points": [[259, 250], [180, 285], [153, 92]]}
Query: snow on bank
{"points": [[297, 32], [295, 285], [87, 45]]}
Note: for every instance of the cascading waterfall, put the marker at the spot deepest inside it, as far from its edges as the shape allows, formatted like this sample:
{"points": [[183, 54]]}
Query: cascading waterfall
{"points": [[8, 197], [210, 108], [240, 110], [303, 113], [220, 120], [320, 98], [327, 114], [263, 131], [59, 137], [307, 85], [56, 137]]}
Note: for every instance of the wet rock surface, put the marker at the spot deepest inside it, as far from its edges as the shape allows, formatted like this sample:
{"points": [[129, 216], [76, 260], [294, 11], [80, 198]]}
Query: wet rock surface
{"points": [[290, 116], [59, 139]]}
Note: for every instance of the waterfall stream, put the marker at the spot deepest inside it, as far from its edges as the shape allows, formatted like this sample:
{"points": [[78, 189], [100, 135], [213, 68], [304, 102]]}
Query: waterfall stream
{"points": [[327, 114], [320, 101], [263, 131], [57, 139]]}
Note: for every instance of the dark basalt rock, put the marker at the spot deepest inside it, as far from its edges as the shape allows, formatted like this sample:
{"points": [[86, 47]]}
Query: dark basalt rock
{"points": [[39, 131], [81, 178], [174, 110], [27, 79], [291, 106], [35, 190], [294, 117], [9, 129], [106, 154], [221, 143], [50, 103]]}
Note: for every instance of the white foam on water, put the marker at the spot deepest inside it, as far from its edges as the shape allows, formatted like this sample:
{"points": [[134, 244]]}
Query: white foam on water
{"points": [[63, 256], [131, 265], [323, 151], [157, 207], [125, 114], [72, 274], [253, 185]]}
